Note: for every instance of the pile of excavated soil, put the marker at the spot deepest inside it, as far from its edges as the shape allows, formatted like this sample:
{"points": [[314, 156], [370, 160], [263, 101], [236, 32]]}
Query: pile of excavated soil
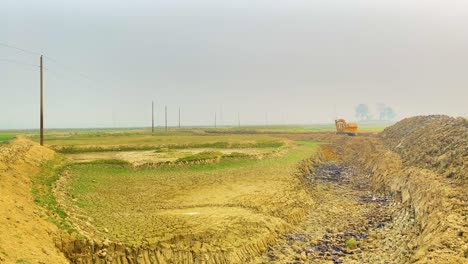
{"points": [[25, 236], [437, 142]]}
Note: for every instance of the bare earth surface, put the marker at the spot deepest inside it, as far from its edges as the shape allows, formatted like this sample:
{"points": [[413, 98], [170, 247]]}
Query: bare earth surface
{"points": [[138, 158], [25, 236]]}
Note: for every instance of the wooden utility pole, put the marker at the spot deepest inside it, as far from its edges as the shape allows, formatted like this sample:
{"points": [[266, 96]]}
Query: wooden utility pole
{"points": [[42, 105], [152, 117], [166, 116], [179, 117], [215, 119], [221, 117], [238, 119]]}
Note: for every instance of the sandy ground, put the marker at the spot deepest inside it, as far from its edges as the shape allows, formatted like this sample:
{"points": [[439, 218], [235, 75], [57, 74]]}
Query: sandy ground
{"points": [[25, 236], [138, 158]]}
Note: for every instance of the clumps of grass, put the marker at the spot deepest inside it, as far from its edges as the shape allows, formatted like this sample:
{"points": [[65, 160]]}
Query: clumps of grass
{"points": [[202, 156], [166, 148], [237, 155], [109, 162], [42, 191], [23, 260], [351, 244], [4, 138], [76, 150], [227, 145], [163, 150]]}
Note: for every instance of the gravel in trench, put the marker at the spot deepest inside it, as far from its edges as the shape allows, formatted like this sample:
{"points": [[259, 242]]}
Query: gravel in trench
{"points": [[349, 224]]}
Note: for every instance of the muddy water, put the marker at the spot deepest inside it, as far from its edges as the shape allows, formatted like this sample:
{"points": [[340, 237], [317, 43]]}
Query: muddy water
{"points": [[349, 224]]}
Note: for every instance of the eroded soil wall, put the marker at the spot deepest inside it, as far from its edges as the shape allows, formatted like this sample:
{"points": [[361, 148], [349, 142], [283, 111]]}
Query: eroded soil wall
{"points": [[438, 202], [25, 234]]}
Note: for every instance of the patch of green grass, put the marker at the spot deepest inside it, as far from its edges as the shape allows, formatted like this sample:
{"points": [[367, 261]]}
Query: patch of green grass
{"points": [[351, 243], [110, 162], [5, 137], [42, 191], [106, 192], [163, 147], [202, 156], [76, 150], [96, 177], [236, 155], [182, 138], [23, 260]]}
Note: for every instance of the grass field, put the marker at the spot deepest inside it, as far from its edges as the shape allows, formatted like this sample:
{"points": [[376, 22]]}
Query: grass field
{"points": [[120, 141], [6, 136], [225, 204]]}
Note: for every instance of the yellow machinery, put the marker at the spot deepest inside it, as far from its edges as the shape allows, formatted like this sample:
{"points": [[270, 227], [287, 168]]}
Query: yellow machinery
{"points": [[342, 127]]}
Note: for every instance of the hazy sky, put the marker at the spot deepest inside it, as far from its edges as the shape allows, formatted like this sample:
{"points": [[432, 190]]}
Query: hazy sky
{"points": [[287, 61]]}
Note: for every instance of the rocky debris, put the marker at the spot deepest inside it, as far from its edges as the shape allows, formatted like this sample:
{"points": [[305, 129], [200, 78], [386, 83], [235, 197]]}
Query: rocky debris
{"points": [[350, 224], [332, 172], [437, 142]]}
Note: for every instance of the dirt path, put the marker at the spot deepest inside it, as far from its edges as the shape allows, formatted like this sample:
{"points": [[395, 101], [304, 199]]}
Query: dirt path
{"points": [[349, 224]]}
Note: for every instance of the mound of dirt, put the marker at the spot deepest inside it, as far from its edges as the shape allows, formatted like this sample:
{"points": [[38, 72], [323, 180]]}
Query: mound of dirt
{"points": [[436, 142], [25, 236]]}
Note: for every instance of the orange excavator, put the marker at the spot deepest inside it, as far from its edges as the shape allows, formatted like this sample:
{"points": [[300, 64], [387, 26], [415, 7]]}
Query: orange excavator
{"points": [[342, 127]]}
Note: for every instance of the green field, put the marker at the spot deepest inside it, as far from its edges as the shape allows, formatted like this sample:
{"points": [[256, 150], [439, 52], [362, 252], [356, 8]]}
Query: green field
{"points": [[148, 203], [6, 136]]}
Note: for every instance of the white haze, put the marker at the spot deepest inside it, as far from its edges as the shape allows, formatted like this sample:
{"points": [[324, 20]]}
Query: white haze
{"points": [[281, 62]]}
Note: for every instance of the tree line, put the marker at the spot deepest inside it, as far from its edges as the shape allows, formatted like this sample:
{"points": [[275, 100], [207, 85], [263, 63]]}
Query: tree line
{"points": [[385, 112]]}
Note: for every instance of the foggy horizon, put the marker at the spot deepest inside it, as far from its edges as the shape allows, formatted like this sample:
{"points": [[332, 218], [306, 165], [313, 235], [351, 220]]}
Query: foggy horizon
{"points": [[272, 62]]}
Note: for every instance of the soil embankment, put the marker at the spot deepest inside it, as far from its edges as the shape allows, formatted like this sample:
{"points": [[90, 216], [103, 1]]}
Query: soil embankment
{"points": [[25, 236]]}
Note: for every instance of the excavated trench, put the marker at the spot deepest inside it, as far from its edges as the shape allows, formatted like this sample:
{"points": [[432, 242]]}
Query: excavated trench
{"points": [[350, 223]]}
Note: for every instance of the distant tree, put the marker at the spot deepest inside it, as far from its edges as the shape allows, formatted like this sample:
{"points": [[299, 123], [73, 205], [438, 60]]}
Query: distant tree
{"points": [[381, 110], [389, 113], [362, 112]]}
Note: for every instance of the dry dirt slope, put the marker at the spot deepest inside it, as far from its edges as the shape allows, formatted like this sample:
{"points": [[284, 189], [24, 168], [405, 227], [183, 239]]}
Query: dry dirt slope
{"points": [[25, 237], [438, 143], [421, 162]]}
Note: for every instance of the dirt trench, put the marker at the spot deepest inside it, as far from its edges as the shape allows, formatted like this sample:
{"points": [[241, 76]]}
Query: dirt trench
{"points": [[350, 222]]}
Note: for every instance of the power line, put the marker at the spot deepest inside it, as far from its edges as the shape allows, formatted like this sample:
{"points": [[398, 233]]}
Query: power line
{"points": [[20, 49], [19, 62], [63, 66]]}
